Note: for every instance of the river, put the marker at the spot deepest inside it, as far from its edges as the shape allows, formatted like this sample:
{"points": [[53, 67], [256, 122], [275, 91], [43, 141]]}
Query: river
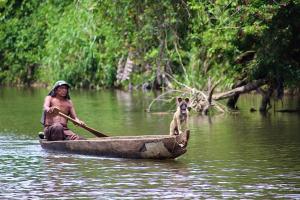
{"points": [[230, 156]]}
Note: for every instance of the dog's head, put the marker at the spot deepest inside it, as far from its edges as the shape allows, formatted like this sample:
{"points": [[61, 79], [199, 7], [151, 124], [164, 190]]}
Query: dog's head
{"points": [[183, 105]]}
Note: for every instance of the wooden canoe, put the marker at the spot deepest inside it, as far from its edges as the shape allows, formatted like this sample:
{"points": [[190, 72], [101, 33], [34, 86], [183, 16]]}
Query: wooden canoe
{"points": [[145, 147]]}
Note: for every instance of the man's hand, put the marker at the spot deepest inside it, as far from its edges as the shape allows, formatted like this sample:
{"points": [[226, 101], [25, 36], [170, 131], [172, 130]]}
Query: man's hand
{"points": [[53, 110], [79, 123]]}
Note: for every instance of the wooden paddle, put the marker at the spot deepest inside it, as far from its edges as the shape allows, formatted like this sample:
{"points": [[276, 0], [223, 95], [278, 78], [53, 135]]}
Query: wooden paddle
{"points": [[95, 132]]}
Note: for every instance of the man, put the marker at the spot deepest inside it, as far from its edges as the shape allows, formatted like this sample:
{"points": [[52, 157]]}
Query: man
{"points": [[55, 126]]}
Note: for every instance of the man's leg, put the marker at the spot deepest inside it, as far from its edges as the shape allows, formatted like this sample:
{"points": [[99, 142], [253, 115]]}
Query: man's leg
{"points": [[54, 132], [69, 135]]}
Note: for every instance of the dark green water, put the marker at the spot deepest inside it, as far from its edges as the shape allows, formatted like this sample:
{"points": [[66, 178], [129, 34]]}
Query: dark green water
{"points": [[238, 156]]}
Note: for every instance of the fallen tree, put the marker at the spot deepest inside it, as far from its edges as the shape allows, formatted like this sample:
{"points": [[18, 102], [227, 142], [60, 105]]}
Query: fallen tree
{"points": [[241, 90], [203, 101]]}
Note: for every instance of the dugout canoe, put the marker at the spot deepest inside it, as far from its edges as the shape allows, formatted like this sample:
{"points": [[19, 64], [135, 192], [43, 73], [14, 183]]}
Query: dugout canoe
{"points": [[144, 147]]}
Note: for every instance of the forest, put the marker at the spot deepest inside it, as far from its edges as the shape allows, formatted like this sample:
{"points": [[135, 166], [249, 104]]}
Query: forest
{"points": [[228, 46]]}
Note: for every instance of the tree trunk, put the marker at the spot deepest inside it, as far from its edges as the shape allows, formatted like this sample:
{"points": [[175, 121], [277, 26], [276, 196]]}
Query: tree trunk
{"points": [[240, 90], [231, 103], [265, 102], [211, 89]]}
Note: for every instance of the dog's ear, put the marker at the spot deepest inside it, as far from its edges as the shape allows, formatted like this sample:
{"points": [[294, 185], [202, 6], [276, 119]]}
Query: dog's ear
{"points": [[179, 99], [187, 100]]}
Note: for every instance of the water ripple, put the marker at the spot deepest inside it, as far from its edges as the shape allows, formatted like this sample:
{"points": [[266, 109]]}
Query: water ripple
{"points": [[27, 171]]}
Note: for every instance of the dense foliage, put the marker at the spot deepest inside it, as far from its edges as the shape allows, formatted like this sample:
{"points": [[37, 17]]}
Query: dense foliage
{"points": [[104, 43]]}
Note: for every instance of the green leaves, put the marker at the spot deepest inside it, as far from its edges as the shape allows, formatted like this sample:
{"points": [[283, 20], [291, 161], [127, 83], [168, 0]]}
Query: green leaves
{"points": [[82, 41]]}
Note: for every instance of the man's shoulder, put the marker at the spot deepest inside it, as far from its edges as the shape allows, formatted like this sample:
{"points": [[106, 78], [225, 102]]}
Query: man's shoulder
{"points": [[48, 97]]}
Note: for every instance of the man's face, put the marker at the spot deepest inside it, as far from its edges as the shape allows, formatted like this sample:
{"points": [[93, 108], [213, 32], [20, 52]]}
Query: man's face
{"points": [[62, 90]]}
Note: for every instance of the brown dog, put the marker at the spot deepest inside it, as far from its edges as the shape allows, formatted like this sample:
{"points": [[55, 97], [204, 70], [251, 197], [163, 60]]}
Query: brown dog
{"points": [[180, 118]]}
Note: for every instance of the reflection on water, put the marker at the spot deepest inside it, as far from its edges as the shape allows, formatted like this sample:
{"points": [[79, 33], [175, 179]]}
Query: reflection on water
{"points": [[239, 156], [27, 170]]}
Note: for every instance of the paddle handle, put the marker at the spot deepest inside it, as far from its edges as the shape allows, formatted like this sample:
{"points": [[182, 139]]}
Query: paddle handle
{"points": [[95, 132]]}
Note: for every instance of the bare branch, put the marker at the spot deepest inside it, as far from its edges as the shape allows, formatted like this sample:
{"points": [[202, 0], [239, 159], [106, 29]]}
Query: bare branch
{"points": [[159, 98], [240, 90]]}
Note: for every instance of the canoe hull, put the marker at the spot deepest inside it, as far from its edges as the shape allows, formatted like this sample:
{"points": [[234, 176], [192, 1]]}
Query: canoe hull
{"points": [[144, 147]]}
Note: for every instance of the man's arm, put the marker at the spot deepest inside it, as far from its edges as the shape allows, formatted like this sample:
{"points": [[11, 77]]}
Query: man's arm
{"points": [[47, 106], [73, 114], [47, 103]]}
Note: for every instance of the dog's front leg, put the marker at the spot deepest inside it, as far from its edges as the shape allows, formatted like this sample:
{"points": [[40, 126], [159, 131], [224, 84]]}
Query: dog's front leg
{"points": [[172, 127], [179, 125]]}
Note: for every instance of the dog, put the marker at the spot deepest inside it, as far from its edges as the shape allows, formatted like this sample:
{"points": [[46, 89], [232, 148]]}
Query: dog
{"points": [[179, 122]]}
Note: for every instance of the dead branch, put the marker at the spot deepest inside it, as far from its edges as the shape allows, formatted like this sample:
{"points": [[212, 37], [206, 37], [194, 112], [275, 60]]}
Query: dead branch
{"points": [[159, 98], [241, 90], [203, 101], [199, 100]]}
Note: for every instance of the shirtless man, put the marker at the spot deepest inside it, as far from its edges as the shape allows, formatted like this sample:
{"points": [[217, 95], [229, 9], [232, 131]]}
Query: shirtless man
{"points": [[55, 126]]}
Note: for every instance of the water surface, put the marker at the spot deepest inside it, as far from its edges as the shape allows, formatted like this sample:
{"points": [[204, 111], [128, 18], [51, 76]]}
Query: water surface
{"points": [[237, 156]]}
